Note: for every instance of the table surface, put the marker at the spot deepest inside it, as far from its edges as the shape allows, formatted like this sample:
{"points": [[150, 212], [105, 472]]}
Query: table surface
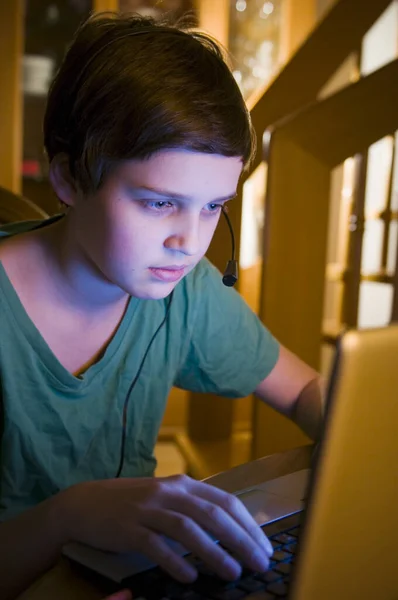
{"points": [[65, 582]]}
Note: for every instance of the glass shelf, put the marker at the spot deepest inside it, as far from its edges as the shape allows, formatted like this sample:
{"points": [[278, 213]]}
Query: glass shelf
{"points": [[255, 41]]}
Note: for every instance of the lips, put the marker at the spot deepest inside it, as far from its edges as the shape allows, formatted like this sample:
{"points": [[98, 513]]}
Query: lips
{"points": [[171, 268], [169, 274]]}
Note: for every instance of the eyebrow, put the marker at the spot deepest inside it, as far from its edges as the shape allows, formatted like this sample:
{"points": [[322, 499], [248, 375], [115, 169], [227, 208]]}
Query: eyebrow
{"points": [[176, 196]]}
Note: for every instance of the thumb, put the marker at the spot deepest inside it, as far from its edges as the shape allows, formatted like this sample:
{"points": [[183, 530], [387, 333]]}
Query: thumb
{"points": [[122, 595]]}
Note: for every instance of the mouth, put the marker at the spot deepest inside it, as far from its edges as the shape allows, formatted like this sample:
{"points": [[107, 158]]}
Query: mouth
{"points": [[169, 274]]}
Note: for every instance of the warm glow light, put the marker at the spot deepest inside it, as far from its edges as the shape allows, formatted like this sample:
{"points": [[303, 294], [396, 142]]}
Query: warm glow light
{"points": [[52, 15], [268, 8], [238, 76], [346, 192], [253, 217], [259, 72], [241, 5], [348, 179]]}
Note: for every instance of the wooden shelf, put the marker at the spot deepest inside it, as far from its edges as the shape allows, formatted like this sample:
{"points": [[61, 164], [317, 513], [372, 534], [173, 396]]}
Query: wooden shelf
{"points": [[331, 332], [208, 458], [378, 278], [336, 272]]}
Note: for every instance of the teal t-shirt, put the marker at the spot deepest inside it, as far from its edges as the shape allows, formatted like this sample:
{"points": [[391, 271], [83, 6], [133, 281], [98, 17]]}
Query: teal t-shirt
{"points": [[59, 429]]}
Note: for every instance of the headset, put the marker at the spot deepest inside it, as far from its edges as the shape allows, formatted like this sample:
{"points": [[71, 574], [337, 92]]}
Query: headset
{"points": [[230, 275]]}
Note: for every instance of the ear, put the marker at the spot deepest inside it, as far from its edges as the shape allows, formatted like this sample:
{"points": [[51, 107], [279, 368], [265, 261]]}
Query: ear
{"points": [[62, 181]]}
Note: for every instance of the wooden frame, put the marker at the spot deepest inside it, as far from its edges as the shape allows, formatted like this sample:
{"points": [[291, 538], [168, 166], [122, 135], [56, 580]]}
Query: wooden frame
{"points": [[104, 5], [297, 85], [11, 48], [301, 152]]}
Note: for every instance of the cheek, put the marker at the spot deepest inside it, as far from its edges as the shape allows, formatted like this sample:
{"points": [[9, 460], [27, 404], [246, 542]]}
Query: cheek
{"points": [[130, 238], [208, 231]]}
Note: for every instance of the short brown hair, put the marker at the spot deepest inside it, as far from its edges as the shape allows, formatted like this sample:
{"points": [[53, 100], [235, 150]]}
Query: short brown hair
{"points": [[119, 96]]}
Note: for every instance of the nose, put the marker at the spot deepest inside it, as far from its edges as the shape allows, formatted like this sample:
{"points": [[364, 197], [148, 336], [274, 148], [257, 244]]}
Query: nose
{"points": [[185, 237]]}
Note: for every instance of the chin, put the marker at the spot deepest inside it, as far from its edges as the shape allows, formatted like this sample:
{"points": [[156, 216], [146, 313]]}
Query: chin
{"points": [[152, 292]]}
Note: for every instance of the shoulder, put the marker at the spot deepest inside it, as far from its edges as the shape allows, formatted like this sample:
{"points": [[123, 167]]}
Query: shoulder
{"points": [[203, 271], [197, 296], [202, 289], [18, 243], [204, 280], [205, 295]]}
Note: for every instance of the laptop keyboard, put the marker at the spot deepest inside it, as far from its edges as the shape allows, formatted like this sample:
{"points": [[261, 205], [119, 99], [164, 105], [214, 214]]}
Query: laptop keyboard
{"points": [[155, 584]]}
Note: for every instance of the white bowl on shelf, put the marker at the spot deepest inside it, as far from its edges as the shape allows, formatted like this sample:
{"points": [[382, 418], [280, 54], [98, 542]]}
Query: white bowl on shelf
{"points": [[37, 72]]}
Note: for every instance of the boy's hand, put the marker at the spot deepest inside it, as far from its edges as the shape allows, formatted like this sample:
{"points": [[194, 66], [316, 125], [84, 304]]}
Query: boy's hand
{"points": [[125, 515]]}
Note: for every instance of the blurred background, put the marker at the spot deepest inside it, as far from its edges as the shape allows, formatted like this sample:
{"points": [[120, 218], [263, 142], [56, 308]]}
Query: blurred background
{"points": [[316, 216]]}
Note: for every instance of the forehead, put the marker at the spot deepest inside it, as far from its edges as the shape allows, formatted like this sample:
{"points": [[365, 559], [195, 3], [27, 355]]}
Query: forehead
{"points": [[184, 172]]}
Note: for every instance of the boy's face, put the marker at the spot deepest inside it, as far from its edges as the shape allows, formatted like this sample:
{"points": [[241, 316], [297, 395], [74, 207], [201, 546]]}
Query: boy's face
{"points": [[152, 221]]}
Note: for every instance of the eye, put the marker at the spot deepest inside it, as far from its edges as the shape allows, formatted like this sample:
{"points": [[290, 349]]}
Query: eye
{"points": [[157, 205], [213, 208]]}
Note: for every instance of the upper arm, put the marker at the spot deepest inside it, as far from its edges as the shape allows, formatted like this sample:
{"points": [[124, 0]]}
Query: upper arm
{"points": [[281, 388], [229, 349]]}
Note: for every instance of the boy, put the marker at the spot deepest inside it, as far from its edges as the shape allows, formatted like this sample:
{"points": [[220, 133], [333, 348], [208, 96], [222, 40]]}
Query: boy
{"points": [[105, 308]]}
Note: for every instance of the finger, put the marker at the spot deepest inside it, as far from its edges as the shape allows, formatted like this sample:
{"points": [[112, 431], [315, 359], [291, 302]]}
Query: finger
{"points": [[220, 524], [231, 534], [156, 549], [190, 534], [189, 490], [236, 509]]}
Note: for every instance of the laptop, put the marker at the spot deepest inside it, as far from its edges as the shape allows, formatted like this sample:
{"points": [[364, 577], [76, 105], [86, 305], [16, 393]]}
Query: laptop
{"points": [[334, 528]]}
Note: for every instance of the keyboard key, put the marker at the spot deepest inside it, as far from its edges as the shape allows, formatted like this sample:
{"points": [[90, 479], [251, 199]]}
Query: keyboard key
{"points": [[295, 531], [279, 589], [261, 596], [291, 548], [269, 576], [211, 586], [234, 594], [251, 585], [284, 538], [284, 568], [275, 544], [279, 555]]}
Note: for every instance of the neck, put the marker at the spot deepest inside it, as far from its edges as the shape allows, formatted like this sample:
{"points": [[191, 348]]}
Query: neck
{"points": [[73, 275]]}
